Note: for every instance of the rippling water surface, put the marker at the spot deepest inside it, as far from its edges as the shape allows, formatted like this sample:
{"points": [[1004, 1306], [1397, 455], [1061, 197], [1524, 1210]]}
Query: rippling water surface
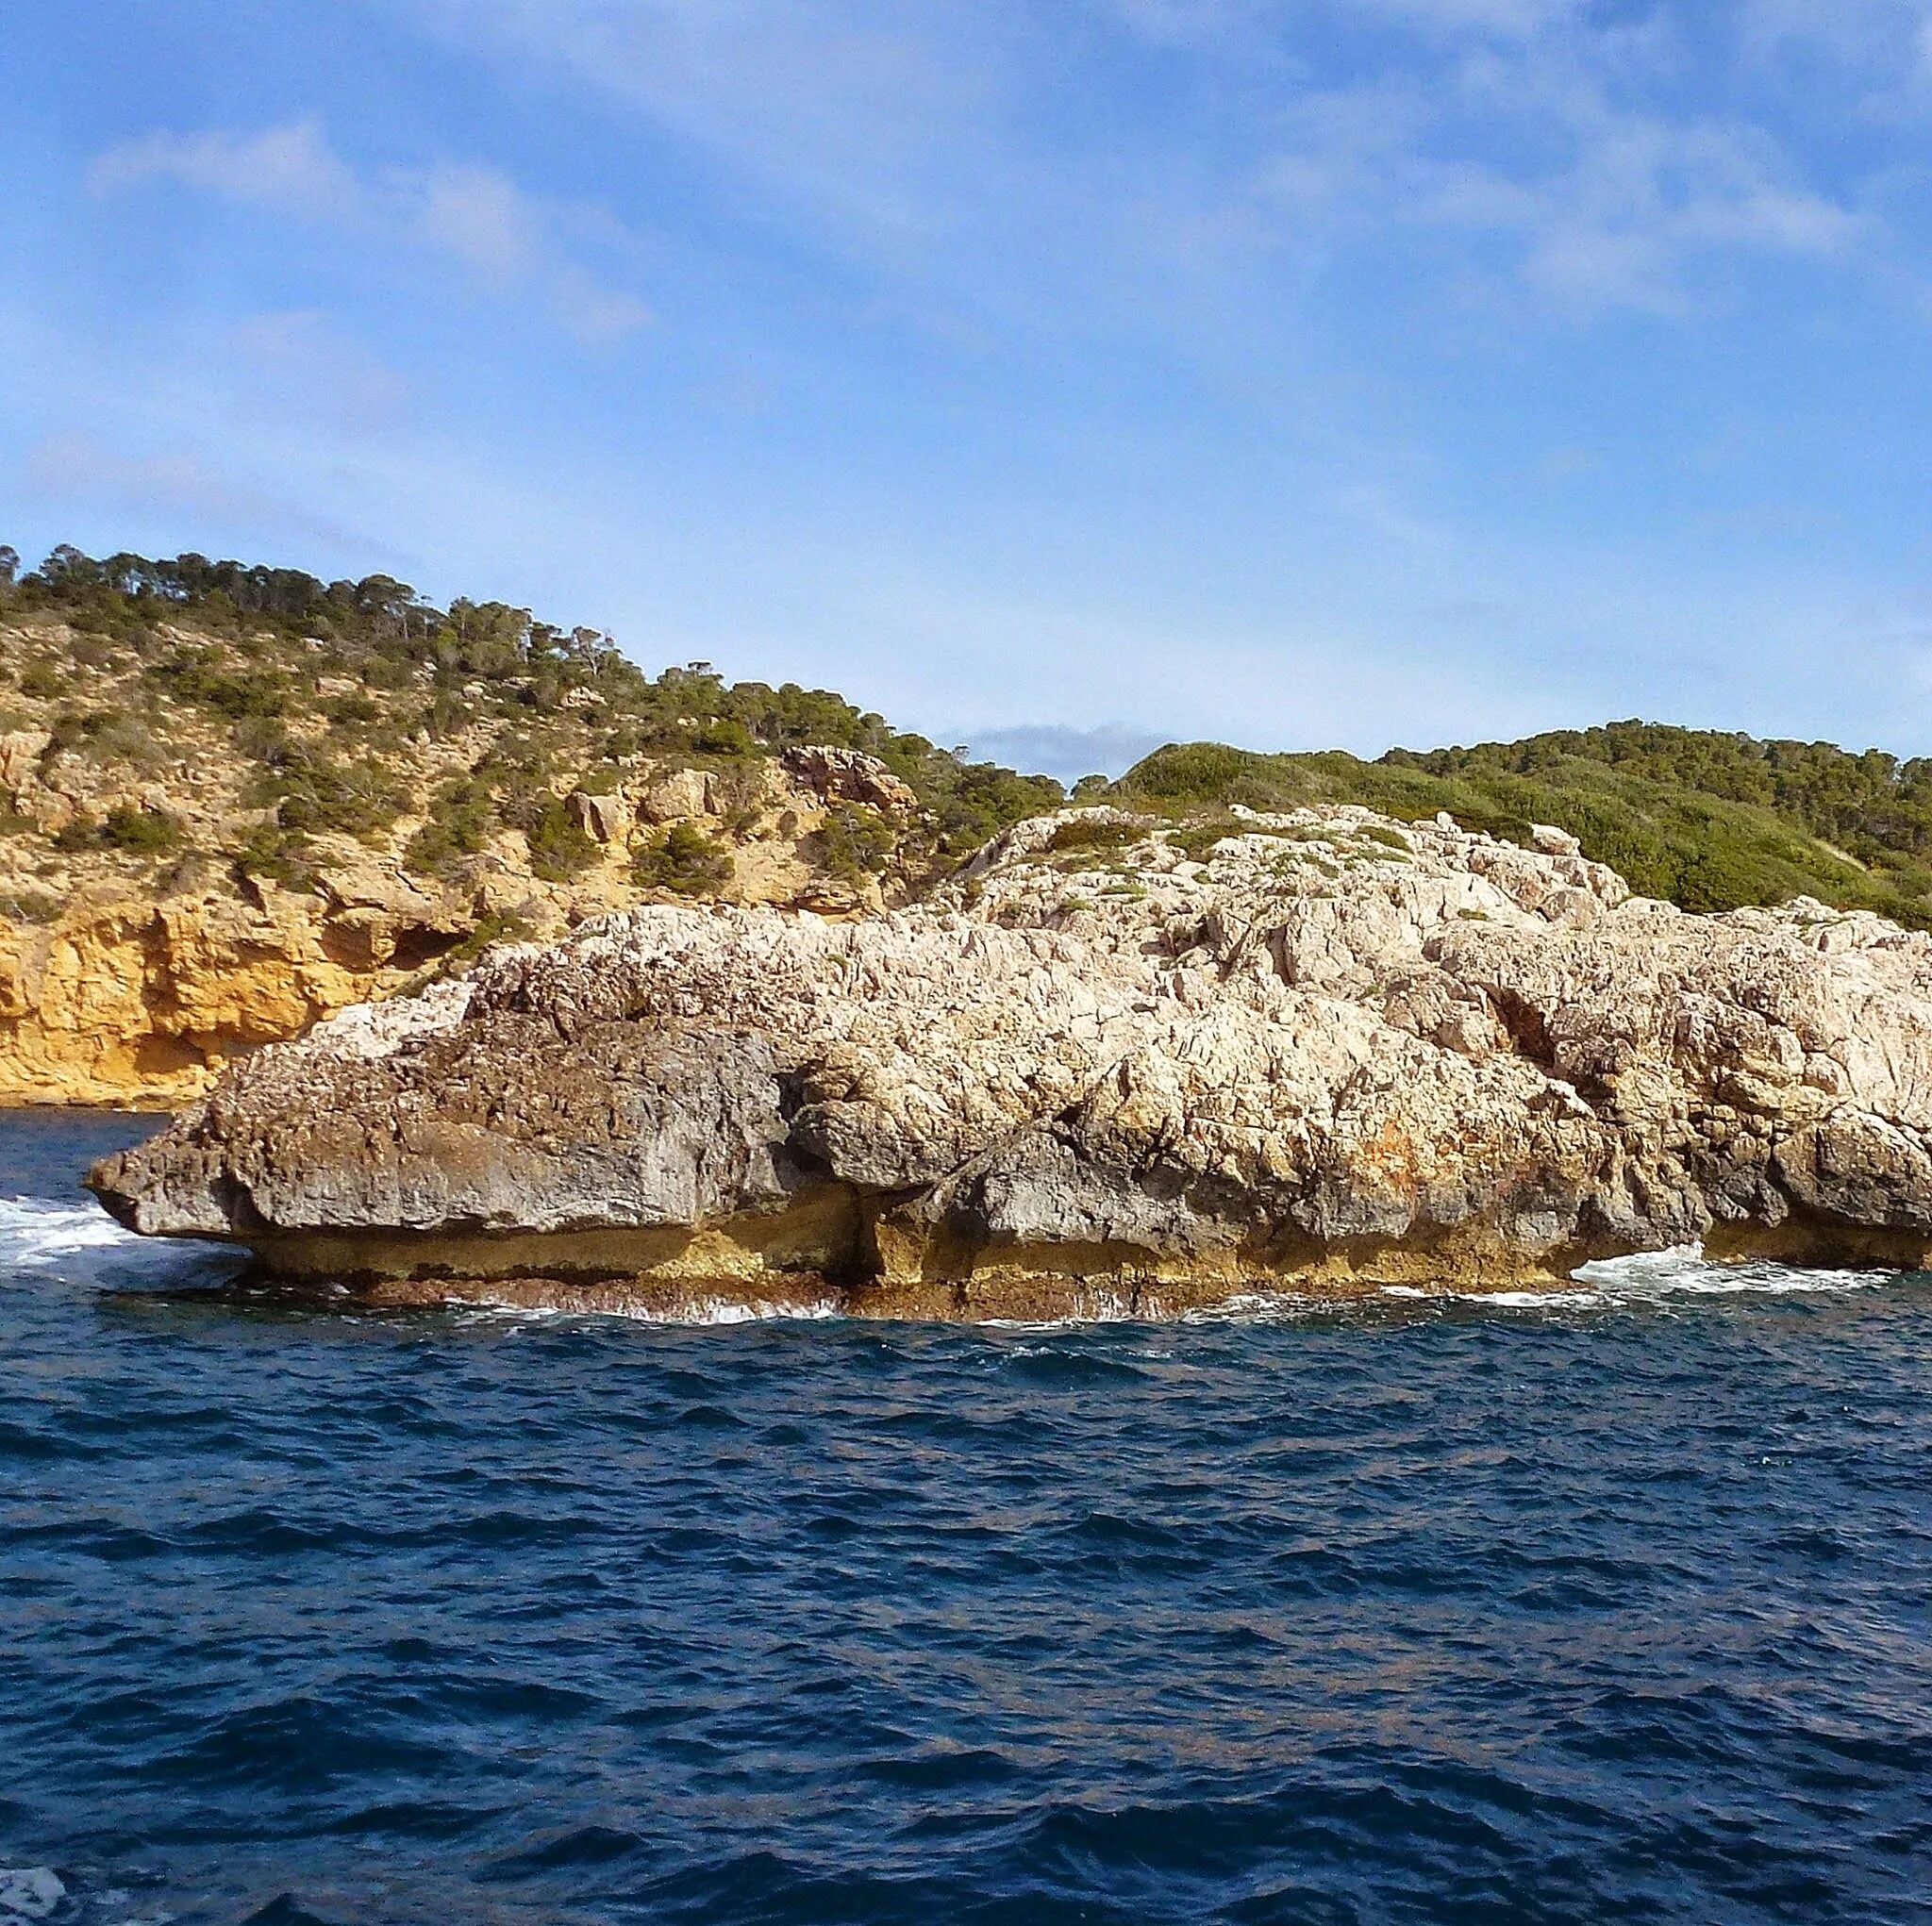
{"points": [[1611, 1604]]}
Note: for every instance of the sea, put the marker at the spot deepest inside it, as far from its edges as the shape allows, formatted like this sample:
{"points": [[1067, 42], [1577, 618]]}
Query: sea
{"points": [[1611, 1603]]}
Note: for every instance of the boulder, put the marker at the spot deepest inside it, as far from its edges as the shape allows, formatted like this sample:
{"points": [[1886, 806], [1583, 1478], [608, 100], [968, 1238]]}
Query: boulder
{"points": [[845, 775], [673, 797], [601, 818], [19, 757]]}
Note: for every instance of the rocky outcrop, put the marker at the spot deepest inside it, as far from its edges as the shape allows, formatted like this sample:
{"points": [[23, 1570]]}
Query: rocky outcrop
{"points": [[846, 775], [1117, 1065]]}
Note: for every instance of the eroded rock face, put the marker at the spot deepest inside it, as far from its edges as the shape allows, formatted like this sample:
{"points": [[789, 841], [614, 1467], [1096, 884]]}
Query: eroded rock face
{"points": [[1110, 1067]]}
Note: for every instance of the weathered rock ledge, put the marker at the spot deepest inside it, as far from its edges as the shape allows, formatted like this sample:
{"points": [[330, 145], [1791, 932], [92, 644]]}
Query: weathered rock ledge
{"points": [[1116, 1066]]}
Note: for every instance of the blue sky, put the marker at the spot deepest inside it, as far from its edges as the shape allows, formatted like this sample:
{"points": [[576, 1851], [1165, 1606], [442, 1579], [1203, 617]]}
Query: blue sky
{"points": [[1059, 376]]}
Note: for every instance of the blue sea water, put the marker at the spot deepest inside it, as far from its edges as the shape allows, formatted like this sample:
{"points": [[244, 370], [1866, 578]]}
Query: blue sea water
{"points": [[1613, 1605]]}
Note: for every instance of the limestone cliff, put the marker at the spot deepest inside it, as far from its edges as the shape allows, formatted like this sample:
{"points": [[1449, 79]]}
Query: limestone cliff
{"points": [[136, 994], [1117, 1064]]}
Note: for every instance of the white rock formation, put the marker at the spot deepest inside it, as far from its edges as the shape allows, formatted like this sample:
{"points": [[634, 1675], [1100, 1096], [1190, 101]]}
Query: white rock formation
{"points": [[1116, 1063]]}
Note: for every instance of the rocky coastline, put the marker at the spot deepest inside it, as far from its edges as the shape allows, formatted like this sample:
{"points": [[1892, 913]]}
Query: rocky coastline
{"points": [[1118, 1065]]}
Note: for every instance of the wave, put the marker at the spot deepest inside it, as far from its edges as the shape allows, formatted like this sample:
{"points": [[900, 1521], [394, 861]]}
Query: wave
{"points": [[700, 1313], [30, 1894], [1650, 1277], [35, 1232], [1685, 1268], [41, 1238]]}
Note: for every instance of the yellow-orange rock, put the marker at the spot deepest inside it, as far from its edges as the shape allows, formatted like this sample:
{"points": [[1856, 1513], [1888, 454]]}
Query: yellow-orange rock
{"points": [[142, 1002]]}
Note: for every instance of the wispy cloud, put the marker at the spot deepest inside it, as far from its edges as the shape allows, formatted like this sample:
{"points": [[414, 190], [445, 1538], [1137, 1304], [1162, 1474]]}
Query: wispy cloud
{"points": [[289, 167], [1510, 18], [508, 240], [296, 362], [79, 467], [1530, 156], [1536, 142]]}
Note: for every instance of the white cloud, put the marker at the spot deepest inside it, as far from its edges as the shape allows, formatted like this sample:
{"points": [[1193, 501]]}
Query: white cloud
{"points": [[1845, 30], [1191, 22], [1601, 205], [1876, 56], [861, 109], [480, 217], [474, 215], [1057, 750], [291, 168], [593, 312], [1548, 148], [1506, 17]]}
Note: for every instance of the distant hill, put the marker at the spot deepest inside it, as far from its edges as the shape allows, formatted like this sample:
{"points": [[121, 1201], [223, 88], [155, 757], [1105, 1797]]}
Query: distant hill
{"points": [[329, 704], [1701, 818]]}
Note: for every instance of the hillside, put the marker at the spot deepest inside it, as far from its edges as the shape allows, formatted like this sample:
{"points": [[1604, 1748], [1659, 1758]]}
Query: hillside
{"points": [[233, 799], [1707, 820]]}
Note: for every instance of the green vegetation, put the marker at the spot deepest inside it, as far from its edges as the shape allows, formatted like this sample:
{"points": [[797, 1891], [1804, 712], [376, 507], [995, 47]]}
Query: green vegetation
{"points": [[1086, 835], [261, 655], [683, 859], [30, 906], [141, 832], [496, 927], [345, 702], [857, 842], [1707, 820], [559, 847]]}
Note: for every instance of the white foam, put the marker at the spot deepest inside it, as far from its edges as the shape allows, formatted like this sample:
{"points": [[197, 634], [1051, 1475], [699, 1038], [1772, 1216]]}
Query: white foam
{"points": [[35, 1231], [700, 1312], [1650, 1277], [1531, 1300], [29, 1893], [1685, 1270], [1257, 1307]]}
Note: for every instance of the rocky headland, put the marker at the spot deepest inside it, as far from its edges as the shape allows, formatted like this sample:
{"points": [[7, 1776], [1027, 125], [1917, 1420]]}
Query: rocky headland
{"points": [[1117, 1064]]}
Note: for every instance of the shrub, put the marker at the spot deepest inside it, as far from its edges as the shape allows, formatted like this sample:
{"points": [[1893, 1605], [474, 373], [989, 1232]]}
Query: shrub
{"points": [[498, 926], [458, 827], [351, 711], [1092, 832], [1198, 838], [279, 855], [855, 842], [559, 847], [141, 832], [724, 735], [1389, 838], [315, 794], [108, 736], [682, 859], [30, 906]]}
